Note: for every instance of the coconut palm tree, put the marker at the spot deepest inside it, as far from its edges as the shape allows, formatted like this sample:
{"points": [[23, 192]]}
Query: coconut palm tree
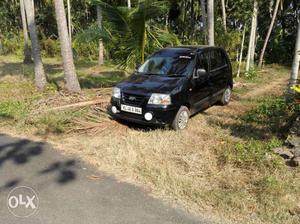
{"points": [[296, 60], [241, 52], [210, 22], [204, 18], [71, 79], [101, 50], [40, 78], [69, 20], [251, 47], [129, 3], [135, 30], [268, 34], [27, 52]]}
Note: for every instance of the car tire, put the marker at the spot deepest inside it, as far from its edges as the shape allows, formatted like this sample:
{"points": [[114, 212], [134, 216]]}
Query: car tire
{"points": [[226, 97], [181, 119]]}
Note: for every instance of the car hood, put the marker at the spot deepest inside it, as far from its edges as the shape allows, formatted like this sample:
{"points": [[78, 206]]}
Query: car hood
{"points": [[147, 84]]}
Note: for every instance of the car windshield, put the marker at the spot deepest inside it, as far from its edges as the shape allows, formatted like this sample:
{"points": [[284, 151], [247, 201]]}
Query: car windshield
{"points": [[168, 65]]}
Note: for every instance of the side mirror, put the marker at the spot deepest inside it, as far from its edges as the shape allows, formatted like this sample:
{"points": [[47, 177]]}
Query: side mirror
{"points": [[199, 72]]}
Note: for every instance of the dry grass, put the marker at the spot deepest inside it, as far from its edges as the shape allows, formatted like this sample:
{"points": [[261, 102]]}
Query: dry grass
{"points": [[195, 168]]}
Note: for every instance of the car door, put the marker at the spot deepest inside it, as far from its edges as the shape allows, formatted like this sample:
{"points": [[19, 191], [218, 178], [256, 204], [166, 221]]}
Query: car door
{"points": [[218, 71], [200, 90]]}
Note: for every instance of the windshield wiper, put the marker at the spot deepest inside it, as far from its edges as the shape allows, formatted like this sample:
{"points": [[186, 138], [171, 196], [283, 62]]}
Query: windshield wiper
{"points": [[149, 73]]}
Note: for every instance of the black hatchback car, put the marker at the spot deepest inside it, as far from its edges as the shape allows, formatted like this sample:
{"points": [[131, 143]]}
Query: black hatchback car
{"points": [[173, 84]]}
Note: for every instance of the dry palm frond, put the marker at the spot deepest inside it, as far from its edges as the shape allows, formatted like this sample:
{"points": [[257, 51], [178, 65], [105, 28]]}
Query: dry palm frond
{"points": [[97, 122]]}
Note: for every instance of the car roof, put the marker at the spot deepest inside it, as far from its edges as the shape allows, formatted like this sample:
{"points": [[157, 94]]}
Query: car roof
{"points": [[189, 48]]}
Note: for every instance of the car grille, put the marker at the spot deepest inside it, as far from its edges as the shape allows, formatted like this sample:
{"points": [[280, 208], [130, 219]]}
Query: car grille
{"points": [[132, 99]]}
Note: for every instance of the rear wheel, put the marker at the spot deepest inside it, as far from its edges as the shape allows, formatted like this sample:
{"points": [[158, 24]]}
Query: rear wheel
{"points": [[181, 119], [226, 97]]}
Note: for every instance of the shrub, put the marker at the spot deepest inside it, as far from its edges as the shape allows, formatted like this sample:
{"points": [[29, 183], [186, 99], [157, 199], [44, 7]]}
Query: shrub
{"points": [[88, 50], [50, 47], [13, 44], [272, 111]]}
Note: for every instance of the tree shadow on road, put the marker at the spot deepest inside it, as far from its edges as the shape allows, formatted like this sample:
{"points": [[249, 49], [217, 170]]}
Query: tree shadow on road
{"points": [[63, 170], [21, 152]]}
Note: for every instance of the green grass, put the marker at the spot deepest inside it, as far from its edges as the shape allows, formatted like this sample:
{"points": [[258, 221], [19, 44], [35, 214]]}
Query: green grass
{"points": [[254, 153], [13, 109]]}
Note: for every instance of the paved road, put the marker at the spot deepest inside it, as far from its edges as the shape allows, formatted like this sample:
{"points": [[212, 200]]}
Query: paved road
{"points": [[69, 191]]}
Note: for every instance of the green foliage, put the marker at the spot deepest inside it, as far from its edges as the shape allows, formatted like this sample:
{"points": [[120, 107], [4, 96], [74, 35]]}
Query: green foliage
{"points": [[13, 44], [86, 50], [13, 109], [272, 111], [230, 41], [131, 35], [135, 33], [50, 47], [10, 17], [251, 74]]}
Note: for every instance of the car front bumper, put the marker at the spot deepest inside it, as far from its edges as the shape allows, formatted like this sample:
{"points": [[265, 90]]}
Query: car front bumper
{"points": [[161, 115]]}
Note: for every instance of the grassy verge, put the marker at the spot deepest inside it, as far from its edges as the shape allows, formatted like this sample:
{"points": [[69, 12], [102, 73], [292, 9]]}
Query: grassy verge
{"points": [[269, 187], [22, 105], [221, 165]]}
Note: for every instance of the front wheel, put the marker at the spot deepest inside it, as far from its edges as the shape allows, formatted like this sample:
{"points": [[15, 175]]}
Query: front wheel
{"points": [[226, 97], [181, 119]]}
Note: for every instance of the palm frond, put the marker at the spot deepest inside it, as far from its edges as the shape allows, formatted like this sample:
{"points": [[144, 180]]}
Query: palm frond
{"points": [[116, 16], [93, 33]]}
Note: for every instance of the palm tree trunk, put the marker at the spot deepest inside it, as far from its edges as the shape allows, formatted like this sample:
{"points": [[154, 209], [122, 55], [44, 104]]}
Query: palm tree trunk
{"points": [[224, 14], [268, 34], [251, 48], [295, 65], [40, 78], [69, 21], [143, 46], [210, 20], [27, 52], [129, 4], [241, 53], [1, 45], [191, 32], [204, 21], [99, 21], [71, 80]]}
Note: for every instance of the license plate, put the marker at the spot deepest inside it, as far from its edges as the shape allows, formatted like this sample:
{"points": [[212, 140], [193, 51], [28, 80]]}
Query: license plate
{"points": [[130, 109]]}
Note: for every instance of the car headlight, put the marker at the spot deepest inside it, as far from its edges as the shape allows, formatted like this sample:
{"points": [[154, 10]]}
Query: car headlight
{"points": [[116, 92], [160, 99]]}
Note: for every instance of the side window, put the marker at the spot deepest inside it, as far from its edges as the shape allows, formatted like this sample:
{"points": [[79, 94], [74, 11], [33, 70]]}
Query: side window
{"points": [[217, 59], [223, 59], [203, 61]]}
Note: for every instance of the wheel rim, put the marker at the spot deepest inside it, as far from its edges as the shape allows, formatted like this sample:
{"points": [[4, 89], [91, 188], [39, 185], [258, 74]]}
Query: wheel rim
{"points": [[183, 119], [227, 95]]}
